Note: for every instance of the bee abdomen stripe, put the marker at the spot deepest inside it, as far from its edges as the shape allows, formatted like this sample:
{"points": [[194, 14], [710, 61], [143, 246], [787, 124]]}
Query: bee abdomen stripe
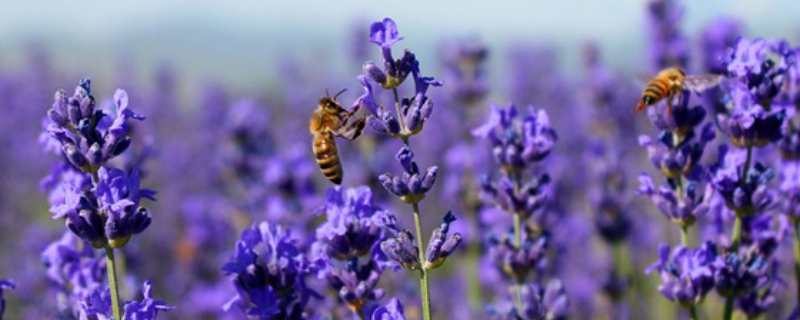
{"points": [[328, 162]]}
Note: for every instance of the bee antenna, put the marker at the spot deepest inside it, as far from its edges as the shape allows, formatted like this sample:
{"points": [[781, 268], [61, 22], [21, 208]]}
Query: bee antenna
{"points": [[326, 93], [338, 93]]}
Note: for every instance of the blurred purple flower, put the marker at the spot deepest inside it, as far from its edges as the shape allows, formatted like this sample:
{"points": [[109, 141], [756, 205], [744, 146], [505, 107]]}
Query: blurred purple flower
{"points": [[517, 144], [518, 262], [353, 224], [551, 303], [393, 310], [148, 308], [525, 202], [748, 124], [744, 195], [686, 211], [267, 270], [738, 274], [757, 303], [356, 285], [676, 158], [718, 35], [688, 275], [74, 273], [668, 46]]}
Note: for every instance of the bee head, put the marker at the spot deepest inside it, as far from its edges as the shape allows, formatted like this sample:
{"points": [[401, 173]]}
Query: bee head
{"points": [[329, 103]]}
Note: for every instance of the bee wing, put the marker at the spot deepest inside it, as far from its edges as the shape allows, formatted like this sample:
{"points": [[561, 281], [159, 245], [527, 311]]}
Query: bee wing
{"points": [[701, 82]]}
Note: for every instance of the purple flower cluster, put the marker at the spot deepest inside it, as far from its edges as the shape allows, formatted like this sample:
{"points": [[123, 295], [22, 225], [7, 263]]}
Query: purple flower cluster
{"points": [[267, 270]]}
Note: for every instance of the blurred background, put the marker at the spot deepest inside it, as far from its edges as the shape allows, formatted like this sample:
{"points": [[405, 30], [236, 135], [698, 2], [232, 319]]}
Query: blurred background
{"points": [[228, 89]]}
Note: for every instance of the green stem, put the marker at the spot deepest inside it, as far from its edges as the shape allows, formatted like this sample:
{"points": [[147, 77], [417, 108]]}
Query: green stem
{"points": [[679, 186], [361, 314], [797, 257], [423, 273], [743, 178], [685, 236], [112, 282], [517, 241], [693, 313], [400, 117]]}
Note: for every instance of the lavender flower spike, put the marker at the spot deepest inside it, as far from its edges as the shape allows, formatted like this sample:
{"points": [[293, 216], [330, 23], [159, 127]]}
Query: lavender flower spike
{"points": [[688, 276], [412, 186], [439, 246], [146, 309], [384, 34], [684, 212], [402, 250], [393, 310]]}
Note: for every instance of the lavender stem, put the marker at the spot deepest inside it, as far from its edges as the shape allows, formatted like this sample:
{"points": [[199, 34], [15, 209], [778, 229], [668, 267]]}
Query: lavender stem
{"points": [[112, 282], [423, 281]]}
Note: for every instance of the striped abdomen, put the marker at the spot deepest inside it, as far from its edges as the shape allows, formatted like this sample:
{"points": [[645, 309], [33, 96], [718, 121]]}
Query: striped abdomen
{"points": [[654, 91], [327, 157]]}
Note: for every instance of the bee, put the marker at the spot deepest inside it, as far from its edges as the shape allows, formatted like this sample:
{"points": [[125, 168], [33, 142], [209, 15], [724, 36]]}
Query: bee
{"points": [[328, 121], [671, 82]]}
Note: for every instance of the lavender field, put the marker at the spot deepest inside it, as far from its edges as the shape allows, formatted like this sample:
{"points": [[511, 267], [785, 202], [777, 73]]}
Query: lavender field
{"points": [[377, 164]]}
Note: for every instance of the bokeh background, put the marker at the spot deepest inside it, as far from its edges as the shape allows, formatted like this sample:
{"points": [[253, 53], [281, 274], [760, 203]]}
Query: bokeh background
{"points": [[188, 64]]}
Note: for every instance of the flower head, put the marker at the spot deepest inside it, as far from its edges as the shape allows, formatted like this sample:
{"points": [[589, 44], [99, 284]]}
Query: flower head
{"points": [[688, 275], [745, 195], [353, 224], [393, 310], [89, 137], [439, 245], [412, 185], [148, 308], [684, 211], [267, 269], [517, 144]]}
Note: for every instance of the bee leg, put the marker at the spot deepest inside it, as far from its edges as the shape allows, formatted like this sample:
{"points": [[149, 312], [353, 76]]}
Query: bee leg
{"points": [[353, 130]]}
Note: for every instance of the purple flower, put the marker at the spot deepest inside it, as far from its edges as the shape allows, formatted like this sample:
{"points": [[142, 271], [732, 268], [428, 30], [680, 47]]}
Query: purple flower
{"points": [[519, 261], [148, 308], [746, 57], [685, 211], [675, 158], [527, 201], [550, 303], [688, 275], [76, 274], [267, 270], [6, 284], [402, 250], [353, 224], [748, 124], [757, 303], [384, 34], [356, 285], [744, 195], [439, 245], [393, 310], [119, 195], [88, 139], [412, 186], [738, 274], [517, 144], [682, 121], [790, 188]]}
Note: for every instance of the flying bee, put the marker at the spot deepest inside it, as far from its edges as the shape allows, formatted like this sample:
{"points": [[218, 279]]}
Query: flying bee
{"points": [[671, 82], [328, 121]]}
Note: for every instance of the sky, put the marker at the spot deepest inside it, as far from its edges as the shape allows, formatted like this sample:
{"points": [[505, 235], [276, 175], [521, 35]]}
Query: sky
{"points": [[240, 41]]}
